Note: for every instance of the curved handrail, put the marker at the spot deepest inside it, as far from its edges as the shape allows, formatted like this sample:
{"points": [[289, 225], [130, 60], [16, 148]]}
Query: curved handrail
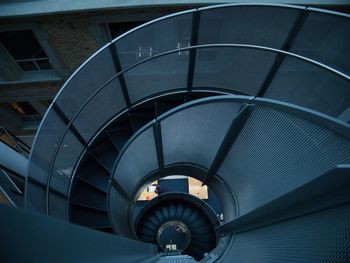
{"points": [[212, 7], [326, 121], [244, 46], [187, 48]]}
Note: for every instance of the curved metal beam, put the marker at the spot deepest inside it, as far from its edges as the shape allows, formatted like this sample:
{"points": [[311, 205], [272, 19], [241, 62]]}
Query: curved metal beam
{"points": [[243, 46]]}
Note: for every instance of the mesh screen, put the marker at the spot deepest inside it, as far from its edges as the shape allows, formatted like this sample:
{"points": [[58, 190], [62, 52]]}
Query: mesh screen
{"points": [[100, 109], [254, 25], [325, 38], [94, 73], [45, 145], [118, 211], [310, 86], [137, 161], [194, 135], [235, 69], [66, 159], [322, 237], [42, 152], [36, 198], [58, 206], [153, 39], [162, 74], [277, 152]]}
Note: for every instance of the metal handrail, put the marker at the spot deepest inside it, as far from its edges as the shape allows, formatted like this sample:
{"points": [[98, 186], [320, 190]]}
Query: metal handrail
{"points": [[340, 74], [20, 146], [243, 46]]}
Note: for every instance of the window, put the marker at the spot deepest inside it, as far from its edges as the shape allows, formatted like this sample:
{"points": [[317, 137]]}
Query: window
{"points": [[25, 111], [25, 50], [116, 29]]}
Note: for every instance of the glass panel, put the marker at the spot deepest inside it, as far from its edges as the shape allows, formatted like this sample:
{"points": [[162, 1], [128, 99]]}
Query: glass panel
{"points": [[235, 69], [162, 74], [100, 109], [310, 86], [155, 38], [325, 38], [256, 25], [184, 132], [94, 74]]}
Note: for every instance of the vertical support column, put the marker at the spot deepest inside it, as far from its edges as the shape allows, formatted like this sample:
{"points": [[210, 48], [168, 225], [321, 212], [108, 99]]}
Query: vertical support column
{"points": [[230, 137], [159, 146], [285, 47], [193, 52], [118, 67]]}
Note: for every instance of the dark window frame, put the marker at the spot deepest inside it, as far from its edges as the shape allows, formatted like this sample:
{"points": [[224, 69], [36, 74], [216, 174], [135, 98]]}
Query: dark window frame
{"points": [[17, 74]]}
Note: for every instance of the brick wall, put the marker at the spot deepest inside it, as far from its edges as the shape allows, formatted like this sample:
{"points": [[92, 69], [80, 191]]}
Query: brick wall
{"points": [[69, 38], [72, 41]]}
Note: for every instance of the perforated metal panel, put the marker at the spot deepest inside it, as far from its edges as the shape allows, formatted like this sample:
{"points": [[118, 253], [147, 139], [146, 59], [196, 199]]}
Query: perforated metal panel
{"points": [[195, 135], [251, 24], [94, 73], [95, 114], [279, 149], [309, 86], [236, 70], [275, 153], [118, 211], [35, 197], [319, 39], [58, 206], [65, 162], [162, 74], [164, 35], [45, 145], [320, 237], [138, 160]]}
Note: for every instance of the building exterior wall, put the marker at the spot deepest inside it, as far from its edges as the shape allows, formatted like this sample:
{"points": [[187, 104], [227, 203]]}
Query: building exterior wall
{"points": [[72, 38]]}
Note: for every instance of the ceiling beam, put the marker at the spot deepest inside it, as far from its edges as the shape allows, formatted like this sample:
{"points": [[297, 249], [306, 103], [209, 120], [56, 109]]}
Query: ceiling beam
{"points": [[17, 93], [10, 9]]}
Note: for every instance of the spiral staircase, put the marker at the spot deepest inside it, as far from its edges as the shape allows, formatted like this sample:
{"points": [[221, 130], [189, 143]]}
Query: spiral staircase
{"points": [[252, 100], [180, 216]]}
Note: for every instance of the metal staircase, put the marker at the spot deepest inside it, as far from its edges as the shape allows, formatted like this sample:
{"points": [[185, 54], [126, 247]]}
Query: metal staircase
{"points": [[251, 100], [182, 216]]}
